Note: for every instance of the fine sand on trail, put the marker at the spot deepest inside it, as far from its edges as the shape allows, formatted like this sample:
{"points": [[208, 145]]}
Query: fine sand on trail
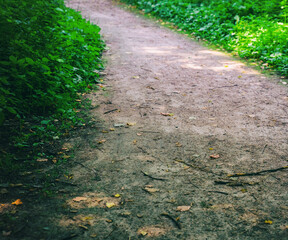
{"points": [[157, 163], [176, 120], [170, 186]]}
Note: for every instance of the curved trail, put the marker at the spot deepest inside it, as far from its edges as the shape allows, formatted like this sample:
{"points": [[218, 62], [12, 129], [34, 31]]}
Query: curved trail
{"points": [[217, 106]]}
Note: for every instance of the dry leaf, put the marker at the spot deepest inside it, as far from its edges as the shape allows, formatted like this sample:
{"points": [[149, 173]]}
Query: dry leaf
{"points": [[151, 190], [151, 231], [178, 144], [17, 202], [109, 220], [78, 199], [138, 134], [84, 227], [167, 114], [102, 141], [42, 160], [268, 222], [134, 141], [131, 123], [117, 195], [215, 156], [93, 235], [183, 208], [112, 129], [110, 204], [6, 234]]}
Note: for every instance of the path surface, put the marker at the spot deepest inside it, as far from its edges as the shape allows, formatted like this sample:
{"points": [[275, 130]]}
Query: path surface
{"points": [[157, 163]]}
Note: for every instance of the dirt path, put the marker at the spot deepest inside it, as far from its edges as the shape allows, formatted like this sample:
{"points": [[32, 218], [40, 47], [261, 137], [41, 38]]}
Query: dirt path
{"points": [[219, 106], [155, 163]]}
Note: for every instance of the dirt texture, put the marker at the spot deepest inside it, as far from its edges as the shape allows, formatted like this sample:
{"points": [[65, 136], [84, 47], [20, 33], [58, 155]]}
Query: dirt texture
{"points": [[175, 119]]}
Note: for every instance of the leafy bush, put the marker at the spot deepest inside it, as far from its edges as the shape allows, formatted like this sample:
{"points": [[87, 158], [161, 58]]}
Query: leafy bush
{"points": [[48, 53], [253, 29]]}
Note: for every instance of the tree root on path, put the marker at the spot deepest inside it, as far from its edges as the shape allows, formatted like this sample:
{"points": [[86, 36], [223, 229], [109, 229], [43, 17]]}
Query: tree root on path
{"points": [[257, 173]]}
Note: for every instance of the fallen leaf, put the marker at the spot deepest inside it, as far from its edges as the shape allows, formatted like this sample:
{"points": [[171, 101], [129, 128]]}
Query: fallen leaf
{"points": [[84, 227], [102, 141], [66, 156], [222, 206], [215, 156], [6, 234], [136, 77], [178, 144], [110, 204], [143, 233], [104, 131], [151, 231], [138, 134], [93, 235], [112, 129], [151, 190], [131, 123], [117, 195], [268, 222], [109, 220], [42, 160], [139, 215], [17, 202], [78, 199], [167, 114], [134, 141], [183, 208]]}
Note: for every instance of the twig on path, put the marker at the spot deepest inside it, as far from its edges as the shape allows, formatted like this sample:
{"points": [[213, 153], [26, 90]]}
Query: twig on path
{"points": [[232, 183], [264, 148], [173, 220], [219, 192], [154, 178], [225, 86], [113, 110], [70, 236], [257, 173]]}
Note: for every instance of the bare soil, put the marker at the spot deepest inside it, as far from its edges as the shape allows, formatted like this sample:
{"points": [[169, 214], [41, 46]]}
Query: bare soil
{"points": [[175, 119]]}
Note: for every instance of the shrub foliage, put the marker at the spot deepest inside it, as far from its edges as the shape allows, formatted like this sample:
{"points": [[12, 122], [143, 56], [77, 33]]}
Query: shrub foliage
{"points": [[48, 53]]}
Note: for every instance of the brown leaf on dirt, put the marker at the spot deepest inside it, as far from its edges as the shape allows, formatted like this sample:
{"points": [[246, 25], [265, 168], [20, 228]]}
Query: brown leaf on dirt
{"points": [[167, 114], [222, 206], [178, 144], [183, 208], [17, 202], [78, 199], [78, 220], [151, 231], [151, 190], [42, 160], [102, 141], [131, 123], [249, 217], [6, 234], [90, 200], [215, 156]]}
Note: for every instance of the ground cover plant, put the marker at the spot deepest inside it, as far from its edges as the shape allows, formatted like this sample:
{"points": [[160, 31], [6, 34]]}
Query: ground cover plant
{"points": [[251, 29], [49, 54]]}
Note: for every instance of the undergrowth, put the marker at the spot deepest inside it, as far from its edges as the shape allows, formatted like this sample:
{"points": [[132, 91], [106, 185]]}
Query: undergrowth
{"points": [[49, 56], [251, 29]]}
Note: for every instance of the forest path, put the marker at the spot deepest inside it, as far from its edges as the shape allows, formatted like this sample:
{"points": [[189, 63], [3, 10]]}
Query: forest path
{"points": [[223, 118]]}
